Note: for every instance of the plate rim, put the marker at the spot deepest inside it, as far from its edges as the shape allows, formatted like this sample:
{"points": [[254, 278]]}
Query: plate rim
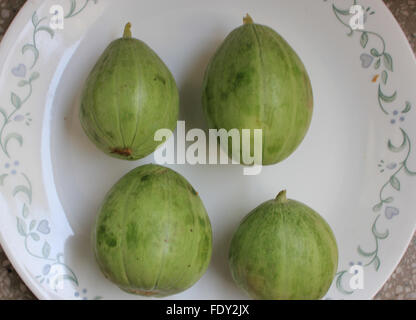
{"points": [[34, 287], [413, 54], [6, 44]]}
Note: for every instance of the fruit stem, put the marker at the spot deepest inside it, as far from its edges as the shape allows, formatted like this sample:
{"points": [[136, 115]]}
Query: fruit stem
{"points": [[127, 31], [281, 197], [248, 20]]}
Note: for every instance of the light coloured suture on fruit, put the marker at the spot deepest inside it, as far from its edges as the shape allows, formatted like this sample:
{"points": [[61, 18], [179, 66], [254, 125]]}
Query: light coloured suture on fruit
{"points": [[196, 153]]}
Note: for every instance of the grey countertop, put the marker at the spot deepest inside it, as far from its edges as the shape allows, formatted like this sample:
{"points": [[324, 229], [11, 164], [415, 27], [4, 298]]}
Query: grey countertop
{"points": [[401, 285]]}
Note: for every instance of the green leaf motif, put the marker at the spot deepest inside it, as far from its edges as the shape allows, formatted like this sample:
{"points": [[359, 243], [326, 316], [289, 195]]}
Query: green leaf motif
{"points": [[2, 178], [34, 236], [46, 250], [388, 61], [21, 227], [32, 225], [12, 136], [22, 83], [377, 207], [408, 107], [16, 101], [339, 285], [65, 277], [379, 235], [340, 11], [364, 39], [376, 263], [385, 97], [46, 29], [34, 50], [384, 76], [72, 8], [25, 211], [3, 113], [377, 64], [395, 183], [395, 149], [388, 200], [363, 253], [409, 172], [23, 189], [34, 76], [374, 52], [35, 19]]}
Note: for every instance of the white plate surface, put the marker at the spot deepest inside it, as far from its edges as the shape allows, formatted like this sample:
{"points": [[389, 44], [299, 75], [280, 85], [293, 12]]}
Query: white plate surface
{"points": [[356, 166]]}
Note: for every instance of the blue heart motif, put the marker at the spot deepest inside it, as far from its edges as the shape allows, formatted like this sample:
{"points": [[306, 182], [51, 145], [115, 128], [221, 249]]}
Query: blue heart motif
{"points": [[19, 71], [19, 118], [46, 269], [43, 227], [391, 212], [392, 166], [366, 60]]}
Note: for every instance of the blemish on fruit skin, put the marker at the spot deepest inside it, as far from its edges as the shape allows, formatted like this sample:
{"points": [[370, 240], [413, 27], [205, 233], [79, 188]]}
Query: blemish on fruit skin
{"points": [[105, 237], [111, 242], [241, 78], [127, 152], [160, 79]]}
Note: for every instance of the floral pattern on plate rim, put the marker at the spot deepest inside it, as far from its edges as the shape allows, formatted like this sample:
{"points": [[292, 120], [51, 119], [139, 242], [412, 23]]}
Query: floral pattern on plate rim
{"points": [[55, 271], [382, 63], [32, 230]]}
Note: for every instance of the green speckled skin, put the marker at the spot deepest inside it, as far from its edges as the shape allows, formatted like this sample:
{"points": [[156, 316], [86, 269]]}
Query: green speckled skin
{"points": [[152, 235], [257, 81], [284, 251], [129, 95]]}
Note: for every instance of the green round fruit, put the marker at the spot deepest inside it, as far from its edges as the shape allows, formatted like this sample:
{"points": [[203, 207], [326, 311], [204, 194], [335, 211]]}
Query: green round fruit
{"points": [[152, 235], [128, 96], [257, 81], [284, 250]]}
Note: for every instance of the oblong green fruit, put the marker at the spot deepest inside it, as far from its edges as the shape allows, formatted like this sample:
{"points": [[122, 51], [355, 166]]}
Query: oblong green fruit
{"points": [[283, 250], [257, 81], [128, 96], [152, 235]]}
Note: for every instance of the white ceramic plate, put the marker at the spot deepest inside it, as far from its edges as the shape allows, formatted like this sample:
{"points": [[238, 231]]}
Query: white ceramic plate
{"points": [[356, 166]]}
